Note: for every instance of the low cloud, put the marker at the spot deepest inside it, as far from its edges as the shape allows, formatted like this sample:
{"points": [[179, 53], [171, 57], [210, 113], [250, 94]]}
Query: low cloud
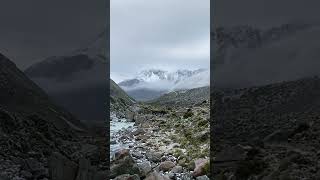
{"points": [[162, 34]]}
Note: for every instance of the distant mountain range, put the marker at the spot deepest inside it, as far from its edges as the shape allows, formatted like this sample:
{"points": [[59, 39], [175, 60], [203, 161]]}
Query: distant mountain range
{"points": [[152, 83]]}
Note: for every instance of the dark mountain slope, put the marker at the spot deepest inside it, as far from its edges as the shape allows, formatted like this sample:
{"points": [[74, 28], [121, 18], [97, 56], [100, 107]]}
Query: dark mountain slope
{"points": [[19, 94], [120, 101], [276, 123], [76, 82], [39, 140]]}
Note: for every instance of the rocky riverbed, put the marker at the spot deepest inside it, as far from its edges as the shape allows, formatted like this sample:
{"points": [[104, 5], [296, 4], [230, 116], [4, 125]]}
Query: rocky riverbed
{"points": [[158, 146]]}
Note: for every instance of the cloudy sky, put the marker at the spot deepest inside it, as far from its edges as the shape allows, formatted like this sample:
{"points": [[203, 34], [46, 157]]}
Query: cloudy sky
{"points": [[166, 34], [36, 29]]}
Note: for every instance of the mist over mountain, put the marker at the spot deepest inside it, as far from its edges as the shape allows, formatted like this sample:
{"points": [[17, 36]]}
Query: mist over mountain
{"points": [[152, 83], [249, 56], [77, 80]]}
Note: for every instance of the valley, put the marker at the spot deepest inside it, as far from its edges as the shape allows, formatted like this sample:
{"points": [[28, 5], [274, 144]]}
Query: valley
{"points": [[164, 139]]}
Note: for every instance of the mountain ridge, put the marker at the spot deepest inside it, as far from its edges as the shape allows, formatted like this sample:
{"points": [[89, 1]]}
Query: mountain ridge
{"points": [[152, 83]]}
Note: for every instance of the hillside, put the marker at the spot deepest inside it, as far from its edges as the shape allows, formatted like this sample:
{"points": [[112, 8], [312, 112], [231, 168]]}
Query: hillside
{"points": [[38, 139], [268, 131], [119, 100], [183, 97]]}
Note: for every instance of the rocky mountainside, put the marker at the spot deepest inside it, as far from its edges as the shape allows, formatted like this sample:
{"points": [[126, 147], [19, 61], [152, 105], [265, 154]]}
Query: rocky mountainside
{"points": [[40, 140], [150, 84], [120, 102], [184, 97], [76, 82], [268, 132]]}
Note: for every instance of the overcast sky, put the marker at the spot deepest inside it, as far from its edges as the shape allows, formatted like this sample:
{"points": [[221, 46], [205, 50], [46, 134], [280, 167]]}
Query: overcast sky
{"points": [[165, 34], [33, 30]]}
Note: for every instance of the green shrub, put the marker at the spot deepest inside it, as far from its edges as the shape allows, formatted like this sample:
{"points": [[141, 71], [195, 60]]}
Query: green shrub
{"points": [[188, 114]]}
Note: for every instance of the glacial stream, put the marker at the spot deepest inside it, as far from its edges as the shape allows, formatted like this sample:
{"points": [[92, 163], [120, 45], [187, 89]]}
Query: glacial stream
{"points": [[117, 125]]}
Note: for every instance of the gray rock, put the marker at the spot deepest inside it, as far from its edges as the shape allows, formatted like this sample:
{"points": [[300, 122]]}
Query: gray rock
{"points": [[122, 153], [203, 178], [177, 169], [138, 132], [166, 166], [137, 154], [145, 168], [156, 176], [125, 165], [171, 175], [127, 177], [154, 156], [200, 168]]}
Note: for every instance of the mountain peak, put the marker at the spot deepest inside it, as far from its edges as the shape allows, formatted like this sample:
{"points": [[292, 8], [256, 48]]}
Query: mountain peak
{"points": [[157, 81]]}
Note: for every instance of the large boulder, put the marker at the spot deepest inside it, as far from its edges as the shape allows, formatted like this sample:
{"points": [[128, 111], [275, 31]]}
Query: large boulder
{"points": [[122, 153], [154, 156], [156, 176], [124, 164], [202, 167], [166, 166], [145, 168]]}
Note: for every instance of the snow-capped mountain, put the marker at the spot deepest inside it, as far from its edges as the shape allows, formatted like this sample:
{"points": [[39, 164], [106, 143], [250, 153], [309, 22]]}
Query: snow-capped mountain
{"points": [[152, 83]]}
